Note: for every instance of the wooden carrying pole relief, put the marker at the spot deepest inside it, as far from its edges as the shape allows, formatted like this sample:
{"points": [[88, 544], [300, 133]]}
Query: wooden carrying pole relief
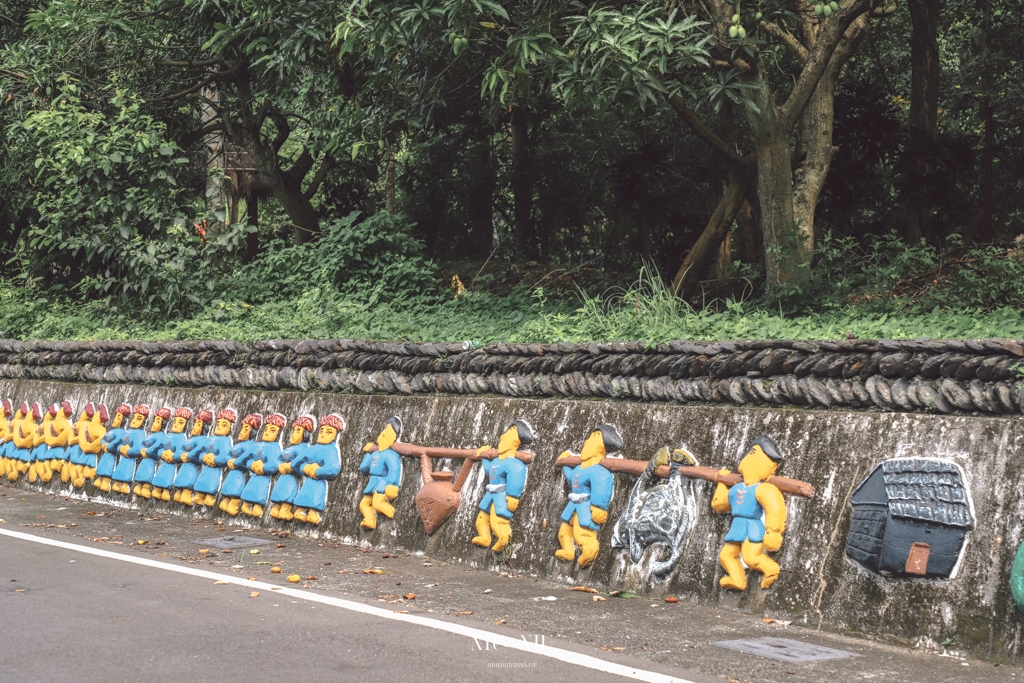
{"points": [[635, 468]]}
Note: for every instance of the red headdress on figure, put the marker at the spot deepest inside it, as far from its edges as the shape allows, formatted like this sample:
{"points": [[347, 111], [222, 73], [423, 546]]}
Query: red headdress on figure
{"points": [[142, 410], [164, 413], [228, 414], [254, 420], [205, 416], [184, 413], [307, 422], [334, 420], [124, 409], [277, 419]]}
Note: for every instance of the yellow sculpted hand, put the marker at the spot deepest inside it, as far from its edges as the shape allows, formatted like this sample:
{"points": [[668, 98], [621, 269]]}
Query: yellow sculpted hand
{"points": [[142, 453], [256, 467], [123, 450], [565, 454], [209, 460], [284, 468], [598, 515], [772, 541], [310, 470], [512, 503], [231, 464], [167, 456], [370, 446], [480, 451], [391, 492]]}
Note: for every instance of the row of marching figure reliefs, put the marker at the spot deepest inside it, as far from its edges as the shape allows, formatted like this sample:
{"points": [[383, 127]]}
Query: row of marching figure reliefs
{"points": [[115, 454], [911, 516], [942, 376]]}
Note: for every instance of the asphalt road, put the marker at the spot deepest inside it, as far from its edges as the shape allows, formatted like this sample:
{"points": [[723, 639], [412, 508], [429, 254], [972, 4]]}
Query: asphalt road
{"points": [[69, 616]]}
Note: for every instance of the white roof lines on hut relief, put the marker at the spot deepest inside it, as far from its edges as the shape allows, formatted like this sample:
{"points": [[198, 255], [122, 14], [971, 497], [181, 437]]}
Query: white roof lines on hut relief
{"points": [[927, 490]]}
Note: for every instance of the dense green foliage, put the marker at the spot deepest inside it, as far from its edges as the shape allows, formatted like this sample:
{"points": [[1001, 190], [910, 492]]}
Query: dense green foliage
{"points": [[135, 136]]}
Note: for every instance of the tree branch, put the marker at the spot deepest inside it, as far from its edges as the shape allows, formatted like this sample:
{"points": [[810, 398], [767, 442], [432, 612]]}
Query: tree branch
{"points": [[301, 167], [197, 135], [283, 131], [187, 91], [830, 33], [773, 29], [326, 166], [706, 134], [191, 63]]}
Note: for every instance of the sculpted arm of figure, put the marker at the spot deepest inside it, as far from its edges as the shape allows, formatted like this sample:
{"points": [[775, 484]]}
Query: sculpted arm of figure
{"points": [[394, 476], [331, 466], [602, 487], [364, 464], [774, 506], [515, 482], [720, 501]]}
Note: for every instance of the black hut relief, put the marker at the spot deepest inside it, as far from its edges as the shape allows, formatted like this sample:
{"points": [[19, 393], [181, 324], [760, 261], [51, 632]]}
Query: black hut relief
{"points": [[910, 519]]}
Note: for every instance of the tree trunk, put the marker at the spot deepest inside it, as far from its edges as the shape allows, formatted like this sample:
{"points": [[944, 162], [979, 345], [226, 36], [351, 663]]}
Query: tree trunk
{"points": [[986, 230], [924, 102], [521, 187], [748, 242], [816, 127], [924, 65], [684, 284], [252, 240]]}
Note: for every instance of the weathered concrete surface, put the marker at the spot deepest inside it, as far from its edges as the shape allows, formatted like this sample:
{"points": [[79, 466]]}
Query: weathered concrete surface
{"points": [[832, 450]]}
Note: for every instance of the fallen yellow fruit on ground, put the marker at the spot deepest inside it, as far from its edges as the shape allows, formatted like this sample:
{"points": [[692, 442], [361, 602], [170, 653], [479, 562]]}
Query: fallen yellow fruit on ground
{"points": [[275, 570], [294, 578]]}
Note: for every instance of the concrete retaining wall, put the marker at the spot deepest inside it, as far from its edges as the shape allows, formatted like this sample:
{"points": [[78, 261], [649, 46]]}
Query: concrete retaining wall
{"points": [[833, 450]]}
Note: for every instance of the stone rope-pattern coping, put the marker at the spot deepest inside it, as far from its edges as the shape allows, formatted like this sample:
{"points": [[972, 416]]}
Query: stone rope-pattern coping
{"points": [[978, 376]]}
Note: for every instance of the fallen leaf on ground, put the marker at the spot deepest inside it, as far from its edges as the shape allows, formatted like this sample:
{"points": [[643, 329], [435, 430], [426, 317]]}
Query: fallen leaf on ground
{"points": [[254, 551], [409, 596], [401, 611], [141, 542], [280, 545], [220, 583], [203, 551], [584, 589], [598, 598], [618, 649], [225, 551], [671, 599], [311, 578], [462, 613], [373, 571], [254, 594], [253, 578], [488, 591]]}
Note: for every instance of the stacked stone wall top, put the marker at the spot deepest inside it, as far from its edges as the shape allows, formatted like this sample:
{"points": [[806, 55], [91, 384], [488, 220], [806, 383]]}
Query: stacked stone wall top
{"points": [[970, 376]]}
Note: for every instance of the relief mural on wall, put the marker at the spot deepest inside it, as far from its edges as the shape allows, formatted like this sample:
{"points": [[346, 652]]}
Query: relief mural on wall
{"points": [[910, 519]]}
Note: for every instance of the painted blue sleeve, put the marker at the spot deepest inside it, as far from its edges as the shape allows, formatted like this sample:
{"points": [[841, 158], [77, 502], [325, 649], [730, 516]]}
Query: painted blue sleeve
{"points": [[222, 448], [515, 480], [602, 487], [567, 473], [244, 453], [330, 465], [394, 464], [135, 440], [364, 465]]}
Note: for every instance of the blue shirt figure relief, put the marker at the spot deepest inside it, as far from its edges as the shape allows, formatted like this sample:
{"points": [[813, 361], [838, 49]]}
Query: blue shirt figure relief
{"points": [[506, 479], [130, 450], [214, 457], [383, 466], [148, 453], [591, 489], [245, 450], [115, 437], [287, 486], [167, 470], [263, 466], [318, 463], [195, 446]]}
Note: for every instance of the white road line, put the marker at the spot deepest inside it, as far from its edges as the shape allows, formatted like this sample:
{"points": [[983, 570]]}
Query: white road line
{"points": [[566, 656]]}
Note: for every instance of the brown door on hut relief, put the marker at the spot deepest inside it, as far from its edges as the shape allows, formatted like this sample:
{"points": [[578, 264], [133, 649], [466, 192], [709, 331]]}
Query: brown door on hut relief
{"points": [[917, 560]]}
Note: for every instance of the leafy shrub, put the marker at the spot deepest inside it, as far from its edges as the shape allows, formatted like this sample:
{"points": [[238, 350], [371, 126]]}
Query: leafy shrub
{"points": [[373, 260]]}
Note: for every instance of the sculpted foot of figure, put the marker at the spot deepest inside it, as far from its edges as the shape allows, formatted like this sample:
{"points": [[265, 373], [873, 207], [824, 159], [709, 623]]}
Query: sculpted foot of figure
{"points": [[186, 497], [211, 500], [177, 495], [503, 531], [483, 530], [369, 516], [286, 513], [147, 491], [257, 510], [313, 517], [165, 495], [381, 505], [137, 490], [275, 511], [300, 514], [567, 551], [223, 507], [247, 509]]}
